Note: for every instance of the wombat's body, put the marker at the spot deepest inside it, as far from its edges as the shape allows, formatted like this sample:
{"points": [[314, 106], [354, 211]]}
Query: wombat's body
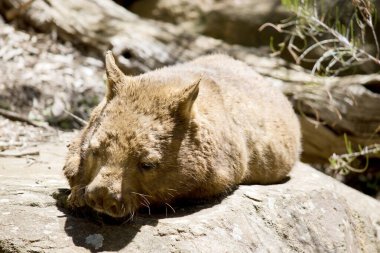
{"points": [[188, 131]]}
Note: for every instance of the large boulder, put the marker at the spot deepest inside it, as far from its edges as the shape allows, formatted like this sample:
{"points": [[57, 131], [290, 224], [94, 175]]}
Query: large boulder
{"points": [[236, 22], [311, 212]]}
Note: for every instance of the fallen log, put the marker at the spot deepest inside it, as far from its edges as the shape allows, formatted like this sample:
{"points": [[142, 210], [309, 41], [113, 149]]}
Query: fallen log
{"points": [[329, 107]]}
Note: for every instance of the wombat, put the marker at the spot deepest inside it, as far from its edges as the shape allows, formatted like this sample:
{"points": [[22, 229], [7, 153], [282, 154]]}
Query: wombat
{"points": [[194, 130]]}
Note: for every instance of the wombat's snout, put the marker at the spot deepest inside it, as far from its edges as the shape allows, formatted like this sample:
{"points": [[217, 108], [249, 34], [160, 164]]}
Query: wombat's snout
{"points": [[101, 199]]}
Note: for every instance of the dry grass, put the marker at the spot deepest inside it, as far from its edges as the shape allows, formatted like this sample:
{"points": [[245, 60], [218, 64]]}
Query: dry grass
{"points": [[338, 33]]}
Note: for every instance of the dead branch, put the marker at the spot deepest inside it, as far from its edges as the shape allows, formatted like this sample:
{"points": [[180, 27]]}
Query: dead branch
{"points": [[15, 116], [12, 153]]}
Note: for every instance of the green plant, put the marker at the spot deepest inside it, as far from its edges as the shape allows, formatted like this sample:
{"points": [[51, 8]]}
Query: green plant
{"points": [[343, 164], [320, 25], [340, 30]]}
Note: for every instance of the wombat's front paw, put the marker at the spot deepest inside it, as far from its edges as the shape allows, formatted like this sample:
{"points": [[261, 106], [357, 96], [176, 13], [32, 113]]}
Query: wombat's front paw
{"points": [[76, 197]]}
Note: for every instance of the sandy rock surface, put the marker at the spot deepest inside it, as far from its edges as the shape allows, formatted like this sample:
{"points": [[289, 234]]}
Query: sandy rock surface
{"points": [[311, 212]]}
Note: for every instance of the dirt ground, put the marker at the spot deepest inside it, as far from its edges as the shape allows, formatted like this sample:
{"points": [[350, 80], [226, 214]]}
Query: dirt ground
{"points": [[42, 78]]}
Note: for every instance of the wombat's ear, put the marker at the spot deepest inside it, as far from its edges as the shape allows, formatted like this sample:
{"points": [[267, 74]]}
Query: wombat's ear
{"points": [[187, 98], [115, 76]]}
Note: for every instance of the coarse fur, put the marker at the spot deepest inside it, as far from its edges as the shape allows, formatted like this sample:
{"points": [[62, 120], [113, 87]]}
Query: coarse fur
{"points": [[194, 130]]}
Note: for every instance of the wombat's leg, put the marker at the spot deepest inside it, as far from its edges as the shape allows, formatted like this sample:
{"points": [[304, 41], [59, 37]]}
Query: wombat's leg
{"points": [[76, 197], [71, 169]]}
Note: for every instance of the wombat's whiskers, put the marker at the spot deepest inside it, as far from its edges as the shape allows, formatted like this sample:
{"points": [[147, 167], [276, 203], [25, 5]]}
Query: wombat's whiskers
{"points": [[123, 208], [170, 194], [143, 197], [167, 204], [145, 202], [130, 217], [147, 206], [140, 194], [132, 214]]}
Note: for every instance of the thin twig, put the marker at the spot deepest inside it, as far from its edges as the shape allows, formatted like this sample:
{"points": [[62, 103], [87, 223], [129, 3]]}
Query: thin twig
{"points": [[8, 145], [318, 44], [15, 116], [372, 149], [80, 120], [19, 153]]}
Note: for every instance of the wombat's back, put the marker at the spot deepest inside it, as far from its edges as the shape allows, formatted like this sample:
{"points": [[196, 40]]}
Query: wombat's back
{"points": [[244, 112]]}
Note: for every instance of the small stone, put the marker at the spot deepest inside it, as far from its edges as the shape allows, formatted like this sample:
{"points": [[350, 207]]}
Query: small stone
{"points": [[95, 240]]}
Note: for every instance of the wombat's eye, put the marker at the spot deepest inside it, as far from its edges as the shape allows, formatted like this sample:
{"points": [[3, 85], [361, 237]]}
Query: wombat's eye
{"points": [[147, 166]]}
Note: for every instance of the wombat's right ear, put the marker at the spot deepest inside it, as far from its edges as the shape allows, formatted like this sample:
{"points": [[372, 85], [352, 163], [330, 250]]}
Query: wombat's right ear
{"points": [[187, 98], [115, 76]]}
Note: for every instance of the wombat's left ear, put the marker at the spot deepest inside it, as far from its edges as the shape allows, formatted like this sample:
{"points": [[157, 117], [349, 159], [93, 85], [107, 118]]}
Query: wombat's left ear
{"points": [[115, 76], [187, 98]]}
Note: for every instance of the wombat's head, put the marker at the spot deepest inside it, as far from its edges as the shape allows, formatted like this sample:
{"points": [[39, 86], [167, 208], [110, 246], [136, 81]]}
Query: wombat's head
{"points": [[135, 149]]}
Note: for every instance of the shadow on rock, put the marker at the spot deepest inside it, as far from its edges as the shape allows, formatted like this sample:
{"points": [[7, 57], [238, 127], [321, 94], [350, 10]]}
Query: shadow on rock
{"points": [[95, 231], [98, 232]]}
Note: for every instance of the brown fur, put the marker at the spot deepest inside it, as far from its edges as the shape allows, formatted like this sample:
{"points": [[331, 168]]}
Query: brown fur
{"points": [[193, 130]]}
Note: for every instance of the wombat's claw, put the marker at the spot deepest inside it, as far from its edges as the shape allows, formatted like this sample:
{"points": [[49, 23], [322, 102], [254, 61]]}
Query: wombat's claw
{"points": [[75, 199]]}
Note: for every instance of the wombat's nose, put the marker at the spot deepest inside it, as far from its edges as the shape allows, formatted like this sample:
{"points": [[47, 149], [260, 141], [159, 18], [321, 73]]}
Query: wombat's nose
{"points": [[104, 201]]}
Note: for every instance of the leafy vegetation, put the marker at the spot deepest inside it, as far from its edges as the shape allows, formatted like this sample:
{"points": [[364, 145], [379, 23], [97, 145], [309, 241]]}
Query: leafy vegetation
{"points": [[334, 36]]}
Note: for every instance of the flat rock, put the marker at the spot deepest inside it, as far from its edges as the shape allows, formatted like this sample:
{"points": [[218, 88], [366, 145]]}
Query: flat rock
{"points": [[311, 212]]}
